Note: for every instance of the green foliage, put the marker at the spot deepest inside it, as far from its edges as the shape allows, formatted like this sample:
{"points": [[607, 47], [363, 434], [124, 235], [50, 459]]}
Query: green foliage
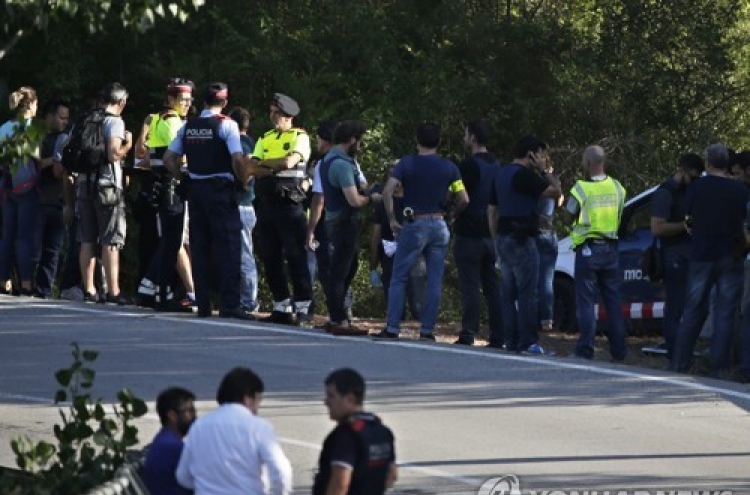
{"points": [[91, 442], [23, 145], [647, 79]]}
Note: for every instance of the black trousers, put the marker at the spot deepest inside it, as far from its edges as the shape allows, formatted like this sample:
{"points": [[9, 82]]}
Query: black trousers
{"points": [[281, 230]]}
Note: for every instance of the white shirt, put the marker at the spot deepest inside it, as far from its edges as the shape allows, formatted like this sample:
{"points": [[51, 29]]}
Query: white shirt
{"points": [[233, 452]]}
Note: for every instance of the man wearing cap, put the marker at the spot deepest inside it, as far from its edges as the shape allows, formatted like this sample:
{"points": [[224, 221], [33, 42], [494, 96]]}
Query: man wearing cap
{"points": [[160, 129], [278, 163], [211, 143]]}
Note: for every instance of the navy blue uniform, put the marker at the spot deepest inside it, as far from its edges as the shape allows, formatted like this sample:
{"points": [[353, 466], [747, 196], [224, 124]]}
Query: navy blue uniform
{"points": [[208, 142]]}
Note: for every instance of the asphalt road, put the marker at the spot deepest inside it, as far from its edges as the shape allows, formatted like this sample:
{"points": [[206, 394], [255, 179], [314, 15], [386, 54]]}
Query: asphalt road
{"points": [[460, 416]]}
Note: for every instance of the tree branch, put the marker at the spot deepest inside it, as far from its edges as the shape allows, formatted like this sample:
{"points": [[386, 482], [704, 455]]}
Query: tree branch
{"points": [[9, 46]]}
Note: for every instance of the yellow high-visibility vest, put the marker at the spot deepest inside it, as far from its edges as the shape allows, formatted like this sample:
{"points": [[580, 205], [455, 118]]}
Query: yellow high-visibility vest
{"points": [[601, 204]]}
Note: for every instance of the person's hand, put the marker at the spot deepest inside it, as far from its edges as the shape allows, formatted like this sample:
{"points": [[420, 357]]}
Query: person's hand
{"points": [[375, 280], [310, 242], [395, 228], [376, 197], [67, 215]]}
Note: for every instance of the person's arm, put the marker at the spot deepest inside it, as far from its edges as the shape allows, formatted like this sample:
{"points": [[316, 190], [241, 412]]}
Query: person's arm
{"points": [[69, 196], [241, 168], [341, 478], [279, 164], [57, 166], [300, 153], [571, 211], [354, 198], [119, 146], [661, 204], [43, 163], [492, 219], [376, 237], [554, 190], [277, 464], [173, 162], [388, 191], [141, 150], [462, 201], [661, 228], [392, 477], [316, 211]]}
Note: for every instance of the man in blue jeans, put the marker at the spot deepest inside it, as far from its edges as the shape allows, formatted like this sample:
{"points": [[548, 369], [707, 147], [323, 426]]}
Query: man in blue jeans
{"points": [[514, 222], [596, 204], [473, 248], [716, 211], [668, 208], [426, 178]]}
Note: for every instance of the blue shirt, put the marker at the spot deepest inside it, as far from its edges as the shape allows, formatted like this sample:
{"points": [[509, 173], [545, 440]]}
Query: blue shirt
{"points": [[427, 179], [247, 149], [161, 464]]}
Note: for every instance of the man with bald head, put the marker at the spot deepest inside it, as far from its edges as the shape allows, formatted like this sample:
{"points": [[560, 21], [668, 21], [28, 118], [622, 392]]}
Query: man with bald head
{"points": [[595, 204]]}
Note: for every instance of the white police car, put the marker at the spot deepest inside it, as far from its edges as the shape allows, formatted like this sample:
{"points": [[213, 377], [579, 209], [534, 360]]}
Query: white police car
{"points": [[642, 300]]}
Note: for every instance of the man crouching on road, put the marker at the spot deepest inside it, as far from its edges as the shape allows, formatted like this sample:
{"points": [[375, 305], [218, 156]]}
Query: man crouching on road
{"points": [[358, 456]]}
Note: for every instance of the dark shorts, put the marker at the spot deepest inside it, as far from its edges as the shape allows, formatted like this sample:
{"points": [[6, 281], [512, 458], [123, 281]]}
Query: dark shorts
{"points": [[98, 222]]}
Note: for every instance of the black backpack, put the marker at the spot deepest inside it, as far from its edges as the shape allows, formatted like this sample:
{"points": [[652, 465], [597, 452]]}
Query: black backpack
{"points": [[86, 150]]}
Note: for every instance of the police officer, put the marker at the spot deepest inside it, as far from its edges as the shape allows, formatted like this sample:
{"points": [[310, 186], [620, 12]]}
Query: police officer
{"points": [[211, 143], [279, 165], [358, 456], [170, 207], [596, 206]]}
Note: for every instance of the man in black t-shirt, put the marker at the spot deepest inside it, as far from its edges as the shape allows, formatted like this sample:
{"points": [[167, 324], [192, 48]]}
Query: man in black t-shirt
{"points": [[358, 456], [51, 226], [716, 210], [473, 248], [668, 208], [514, 221]]}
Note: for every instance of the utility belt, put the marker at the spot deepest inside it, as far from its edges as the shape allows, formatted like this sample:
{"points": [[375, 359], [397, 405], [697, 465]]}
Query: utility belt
{"points": [[285, 190], [596, 242], [410, 216], [162, 189], [599, 241]]}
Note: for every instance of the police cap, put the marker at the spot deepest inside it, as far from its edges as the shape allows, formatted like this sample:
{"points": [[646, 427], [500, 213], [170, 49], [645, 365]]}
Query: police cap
{"points": [[215, 91], [286, 105], [325, 130]]}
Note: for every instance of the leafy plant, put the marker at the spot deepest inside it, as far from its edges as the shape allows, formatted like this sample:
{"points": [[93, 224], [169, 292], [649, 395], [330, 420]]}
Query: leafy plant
{"points": [[91, 441], [23, 145]]}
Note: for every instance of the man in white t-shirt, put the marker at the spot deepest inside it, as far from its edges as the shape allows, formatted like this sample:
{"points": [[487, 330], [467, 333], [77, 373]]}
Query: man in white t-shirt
{"points": [[231, 450]]}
